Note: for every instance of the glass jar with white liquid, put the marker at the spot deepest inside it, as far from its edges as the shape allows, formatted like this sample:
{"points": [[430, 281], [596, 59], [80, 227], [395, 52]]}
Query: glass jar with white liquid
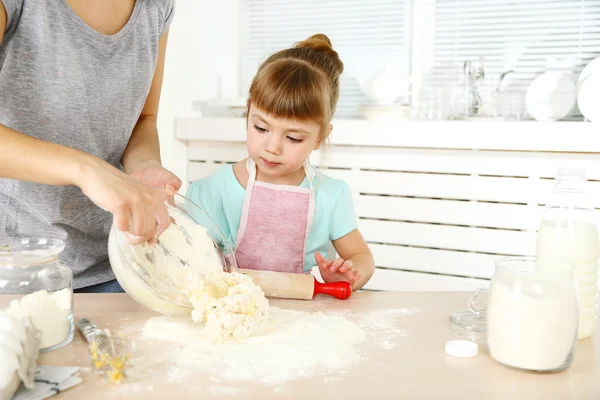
{"points": [[531, 318]]}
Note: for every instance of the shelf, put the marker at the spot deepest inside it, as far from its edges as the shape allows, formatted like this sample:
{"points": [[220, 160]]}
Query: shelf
{"points": [[579, 137]]}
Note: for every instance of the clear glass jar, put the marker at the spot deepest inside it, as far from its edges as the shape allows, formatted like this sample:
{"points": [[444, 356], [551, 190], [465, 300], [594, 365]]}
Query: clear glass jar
{"points": [[568, 231], [532, 314], [34, 283], [530, 317]]}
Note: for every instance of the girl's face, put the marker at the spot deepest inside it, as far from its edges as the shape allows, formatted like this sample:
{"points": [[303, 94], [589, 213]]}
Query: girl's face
{"points": [[280, 147]]}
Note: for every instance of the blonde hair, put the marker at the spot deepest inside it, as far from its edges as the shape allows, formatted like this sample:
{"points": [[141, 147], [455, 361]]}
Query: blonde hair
{"points": [[300, 83]]}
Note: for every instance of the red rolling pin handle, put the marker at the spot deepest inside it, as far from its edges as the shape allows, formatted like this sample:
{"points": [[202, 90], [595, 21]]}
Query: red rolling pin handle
{"points": [[340, 290]]}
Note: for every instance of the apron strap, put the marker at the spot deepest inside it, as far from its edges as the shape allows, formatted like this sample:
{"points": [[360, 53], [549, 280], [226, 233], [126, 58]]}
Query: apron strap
{"points": [[310, 173], [251, 168]]}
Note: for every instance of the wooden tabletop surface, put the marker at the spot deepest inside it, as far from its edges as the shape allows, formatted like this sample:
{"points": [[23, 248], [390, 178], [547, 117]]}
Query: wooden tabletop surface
{"points": [[415, 367]]}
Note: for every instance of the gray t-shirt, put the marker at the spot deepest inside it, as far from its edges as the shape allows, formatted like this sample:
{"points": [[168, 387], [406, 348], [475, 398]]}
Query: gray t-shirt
{"points": [[64, 82]]}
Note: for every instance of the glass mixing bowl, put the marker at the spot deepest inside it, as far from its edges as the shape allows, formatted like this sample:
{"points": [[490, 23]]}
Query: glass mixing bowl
{"points": [[135, 272]]}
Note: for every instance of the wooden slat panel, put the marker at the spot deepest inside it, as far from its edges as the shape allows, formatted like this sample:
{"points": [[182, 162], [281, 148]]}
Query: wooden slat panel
{"points": [[498, 189], [505, 189], [470, 162], [496, 163], [469, 213], [413, 281], [493, 241], [515, 190], [216, 151], [438, 261], [197, 170]]}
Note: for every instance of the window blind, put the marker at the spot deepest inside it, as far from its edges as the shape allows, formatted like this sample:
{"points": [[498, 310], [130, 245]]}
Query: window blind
{"points": [[527, 37], [369, 35]]}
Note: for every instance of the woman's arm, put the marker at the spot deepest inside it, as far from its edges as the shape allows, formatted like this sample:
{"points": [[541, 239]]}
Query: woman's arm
{"points": [[142, 155], [355, 263], [143, 145], [26, 158], [141, 158], [135, 205]]}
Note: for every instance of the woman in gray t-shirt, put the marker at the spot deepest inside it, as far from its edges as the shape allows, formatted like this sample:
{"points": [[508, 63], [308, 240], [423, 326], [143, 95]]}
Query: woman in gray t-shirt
{"points": [[80, 83]]}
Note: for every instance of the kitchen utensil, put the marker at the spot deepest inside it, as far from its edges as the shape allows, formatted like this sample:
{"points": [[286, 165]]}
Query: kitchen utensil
{"points": [[592, 68], [296, 286], [588, 97], [474, 73], [386, 86], [552, 96], [109, 353]]}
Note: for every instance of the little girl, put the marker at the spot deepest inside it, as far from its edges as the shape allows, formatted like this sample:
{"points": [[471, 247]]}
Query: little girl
{"points": [[278, 210]]}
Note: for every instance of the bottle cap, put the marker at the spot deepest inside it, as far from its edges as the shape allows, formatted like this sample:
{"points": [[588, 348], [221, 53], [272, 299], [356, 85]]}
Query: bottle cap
{"points": [[570, 173], [462, 348]]}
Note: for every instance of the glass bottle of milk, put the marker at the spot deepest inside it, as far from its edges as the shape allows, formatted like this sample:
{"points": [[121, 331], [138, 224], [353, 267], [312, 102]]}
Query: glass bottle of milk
{"points": [[568, 232]]}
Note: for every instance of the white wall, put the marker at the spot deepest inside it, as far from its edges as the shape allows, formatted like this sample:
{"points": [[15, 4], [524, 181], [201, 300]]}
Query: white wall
{"points": [[203, 44]]}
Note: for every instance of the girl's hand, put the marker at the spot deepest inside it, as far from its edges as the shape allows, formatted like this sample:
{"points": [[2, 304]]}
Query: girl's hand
{"points": [[338, 270]]}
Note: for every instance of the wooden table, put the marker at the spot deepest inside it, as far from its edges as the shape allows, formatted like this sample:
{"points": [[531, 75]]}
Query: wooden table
{"points": [[416, 368]]}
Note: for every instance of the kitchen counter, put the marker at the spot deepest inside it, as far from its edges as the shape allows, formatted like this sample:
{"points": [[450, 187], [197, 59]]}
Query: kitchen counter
{"points": [[416, 367]]}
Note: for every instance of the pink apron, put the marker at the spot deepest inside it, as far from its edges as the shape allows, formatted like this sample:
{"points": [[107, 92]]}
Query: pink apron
{"points": [[275, 224]]}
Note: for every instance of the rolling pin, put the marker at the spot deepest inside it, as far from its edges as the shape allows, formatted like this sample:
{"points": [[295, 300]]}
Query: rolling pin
{"points": [[285, 285]]}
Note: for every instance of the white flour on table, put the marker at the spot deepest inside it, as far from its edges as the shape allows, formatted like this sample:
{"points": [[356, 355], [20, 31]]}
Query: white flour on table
{"points": [[299, 345]]}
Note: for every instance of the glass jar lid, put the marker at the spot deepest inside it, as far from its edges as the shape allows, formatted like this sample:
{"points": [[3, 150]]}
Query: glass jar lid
{"points": [[29, 251]]}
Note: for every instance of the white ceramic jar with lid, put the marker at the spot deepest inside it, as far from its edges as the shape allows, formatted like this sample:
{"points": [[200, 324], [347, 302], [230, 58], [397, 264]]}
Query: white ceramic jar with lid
{"points": [[35, 284]]}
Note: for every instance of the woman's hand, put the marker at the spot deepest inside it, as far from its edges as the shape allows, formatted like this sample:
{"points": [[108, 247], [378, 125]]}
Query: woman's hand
{"points": [[138, 208], [152, 173], [336, 270]]}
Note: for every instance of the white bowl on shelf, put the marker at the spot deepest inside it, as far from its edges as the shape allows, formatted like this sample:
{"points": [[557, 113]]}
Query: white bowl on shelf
{"points": [[593, 67], [552, 96], [588, 98]]}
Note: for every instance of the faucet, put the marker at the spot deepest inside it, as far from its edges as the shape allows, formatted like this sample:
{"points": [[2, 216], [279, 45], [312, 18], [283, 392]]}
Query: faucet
{"points": [[474, 73]]}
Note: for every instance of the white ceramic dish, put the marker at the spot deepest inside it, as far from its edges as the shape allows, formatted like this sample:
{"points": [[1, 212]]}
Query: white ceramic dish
{"points": [[552, 96], [588, 98], [592, 68]]}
